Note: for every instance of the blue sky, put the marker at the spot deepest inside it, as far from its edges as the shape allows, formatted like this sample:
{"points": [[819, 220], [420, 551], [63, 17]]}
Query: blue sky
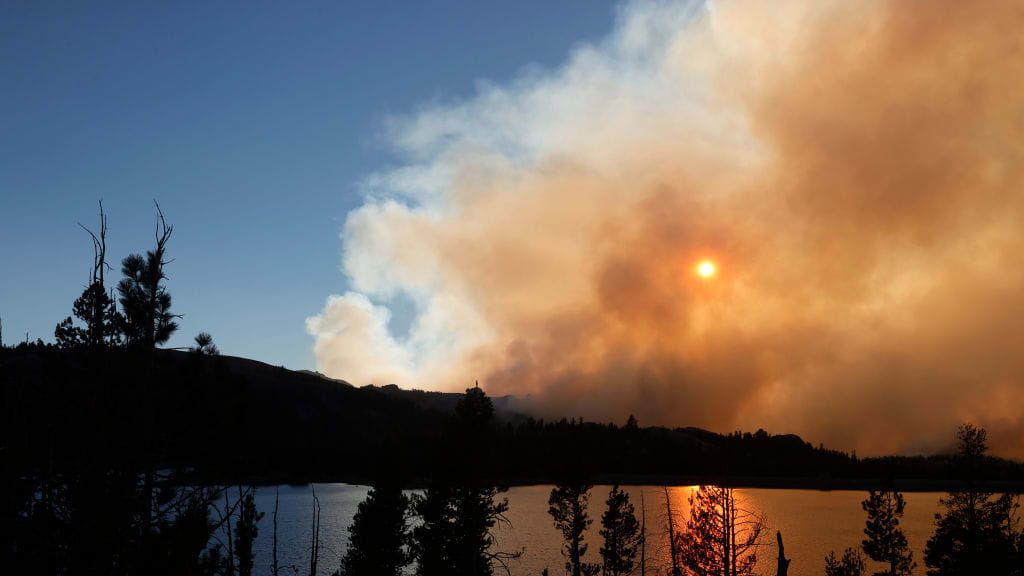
{"points": [[251, 123]]}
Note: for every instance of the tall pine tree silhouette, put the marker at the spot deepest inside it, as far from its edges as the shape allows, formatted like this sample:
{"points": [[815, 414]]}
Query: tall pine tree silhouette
{"points": [[379, 534], [621, 533], [459, 511], [145, 301], [884, 539], [567, 506], [978, 531]]}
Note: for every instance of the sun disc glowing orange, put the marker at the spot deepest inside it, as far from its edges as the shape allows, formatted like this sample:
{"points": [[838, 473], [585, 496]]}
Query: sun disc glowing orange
{"points": [[706, 269]]}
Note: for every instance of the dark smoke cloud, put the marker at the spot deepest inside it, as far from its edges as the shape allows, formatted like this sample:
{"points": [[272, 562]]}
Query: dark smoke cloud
{"points": [[854, 169]]}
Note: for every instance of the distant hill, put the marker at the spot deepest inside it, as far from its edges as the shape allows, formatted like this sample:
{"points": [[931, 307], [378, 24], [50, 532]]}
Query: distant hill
{"points": [[441, 401], [229, 417]]}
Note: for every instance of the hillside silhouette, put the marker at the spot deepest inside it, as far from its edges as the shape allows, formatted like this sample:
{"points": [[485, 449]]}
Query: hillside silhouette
{"points": [[229, 418]]}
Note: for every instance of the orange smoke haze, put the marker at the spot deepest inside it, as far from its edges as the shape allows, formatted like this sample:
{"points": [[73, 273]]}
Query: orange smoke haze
{"points": [[853, 169]]}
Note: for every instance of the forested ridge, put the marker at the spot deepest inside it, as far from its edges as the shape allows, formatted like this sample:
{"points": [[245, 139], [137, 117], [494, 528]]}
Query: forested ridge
{"points": [[227, 417]]}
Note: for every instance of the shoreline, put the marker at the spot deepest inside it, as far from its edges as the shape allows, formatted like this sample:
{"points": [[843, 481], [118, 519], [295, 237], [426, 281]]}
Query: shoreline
{"points": [[823, 484]]}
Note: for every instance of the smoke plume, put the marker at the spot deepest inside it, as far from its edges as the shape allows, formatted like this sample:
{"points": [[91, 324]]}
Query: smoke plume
{"points": [[854, 169]]}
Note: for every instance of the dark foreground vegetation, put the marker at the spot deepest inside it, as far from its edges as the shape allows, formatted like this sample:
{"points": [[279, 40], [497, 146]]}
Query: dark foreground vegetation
{"points": [[119, 457], [232, 419]]}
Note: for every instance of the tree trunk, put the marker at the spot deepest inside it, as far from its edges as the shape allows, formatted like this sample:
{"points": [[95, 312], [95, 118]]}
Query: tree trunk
{"points": [[676, 569], [783, 566], [277, 501], [314, 554], [231, 543], [643, 535], [729, 526]]}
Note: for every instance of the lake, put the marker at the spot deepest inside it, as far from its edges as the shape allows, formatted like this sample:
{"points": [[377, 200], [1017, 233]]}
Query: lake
{"points": [[812, 524]]}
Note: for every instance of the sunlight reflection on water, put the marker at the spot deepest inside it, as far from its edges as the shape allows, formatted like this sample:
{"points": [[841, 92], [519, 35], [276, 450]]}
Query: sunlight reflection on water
{"points": [[812, 524]]}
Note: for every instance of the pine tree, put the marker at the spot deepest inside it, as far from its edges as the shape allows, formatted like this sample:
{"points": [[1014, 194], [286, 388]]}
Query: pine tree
{"points": [[567, 505], [379, 534], [459, 511], [145, 301], [631, 423], [454, 535], [621, 533], [851, 564], [978, 533], [98, 313], [204, 345], [95, 308], [885, 541], [433, 537], [474, 412], [246, 531], [477, 511]]}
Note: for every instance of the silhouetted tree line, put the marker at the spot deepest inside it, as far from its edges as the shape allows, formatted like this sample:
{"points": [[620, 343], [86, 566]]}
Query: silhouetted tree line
{"points": [[455, 514], [229, 419], [977, 532], [722, 536]]}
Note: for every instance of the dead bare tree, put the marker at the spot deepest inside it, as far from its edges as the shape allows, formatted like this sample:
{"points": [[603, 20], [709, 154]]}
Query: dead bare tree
{"points": [[95, 307], [223, 522], [163, 320], [99, 248], [231, 539], [643, 535], [782, 569], [677, 569], [277, 501], [722, 536], [314, 553], [97, 329]]}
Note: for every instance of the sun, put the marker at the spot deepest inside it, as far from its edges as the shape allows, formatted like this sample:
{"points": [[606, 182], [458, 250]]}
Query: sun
{"points": [[706, 269]]}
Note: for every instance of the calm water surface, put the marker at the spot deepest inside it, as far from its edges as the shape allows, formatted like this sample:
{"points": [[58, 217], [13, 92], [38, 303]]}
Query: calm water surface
{"points": [[812, 524]]}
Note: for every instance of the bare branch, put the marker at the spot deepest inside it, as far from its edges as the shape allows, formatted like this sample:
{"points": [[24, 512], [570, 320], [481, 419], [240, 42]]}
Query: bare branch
{"points": [[99, 247], [163, 230]]}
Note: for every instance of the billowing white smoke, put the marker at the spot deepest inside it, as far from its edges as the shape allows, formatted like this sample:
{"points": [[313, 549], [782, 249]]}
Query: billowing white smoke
{"points": [[853, 167]]}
